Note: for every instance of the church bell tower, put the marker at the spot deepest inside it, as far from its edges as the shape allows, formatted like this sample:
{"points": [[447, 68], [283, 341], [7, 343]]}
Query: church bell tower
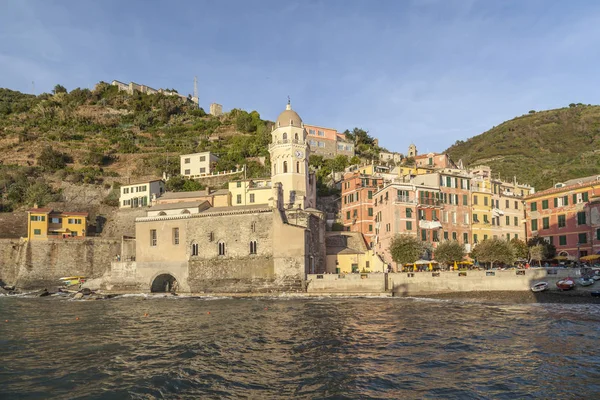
{"points": [[289, 158]]}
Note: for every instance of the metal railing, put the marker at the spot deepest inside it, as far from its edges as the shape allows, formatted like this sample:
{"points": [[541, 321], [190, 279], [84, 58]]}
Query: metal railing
{"points": [[404, 199]]}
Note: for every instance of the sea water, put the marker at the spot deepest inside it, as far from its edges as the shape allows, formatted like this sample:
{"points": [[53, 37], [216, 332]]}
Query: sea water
{"points": [[146, 347]]}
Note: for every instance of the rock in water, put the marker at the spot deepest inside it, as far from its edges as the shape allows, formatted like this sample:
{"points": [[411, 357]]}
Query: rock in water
{"points": [[85, 291]]}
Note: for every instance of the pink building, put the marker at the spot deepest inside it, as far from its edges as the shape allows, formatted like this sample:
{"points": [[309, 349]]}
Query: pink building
{"points": [[328, 142]]}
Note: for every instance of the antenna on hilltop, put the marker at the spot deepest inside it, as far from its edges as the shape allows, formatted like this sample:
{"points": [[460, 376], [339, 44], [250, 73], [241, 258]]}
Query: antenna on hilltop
{"points": [[33, 87], [196, 91]]}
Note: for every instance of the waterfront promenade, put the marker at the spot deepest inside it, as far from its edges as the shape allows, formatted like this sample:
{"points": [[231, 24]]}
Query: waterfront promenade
{"points": [[437, 282]]}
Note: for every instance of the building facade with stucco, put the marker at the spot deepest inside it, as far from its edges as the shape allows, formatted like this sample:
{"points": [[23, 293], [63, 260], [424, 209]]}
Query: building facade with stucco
{"points": [[269, 245]]}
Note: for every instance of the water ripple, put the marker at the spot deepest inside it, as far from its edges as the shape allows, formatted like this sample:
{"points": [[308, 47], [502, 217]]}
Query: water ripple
{"points": [[146, 347]]}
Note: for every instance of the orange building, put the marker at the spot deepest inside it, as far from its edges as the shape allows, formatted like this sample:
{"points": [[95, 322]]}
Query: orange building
{"points": [[357, 203]]}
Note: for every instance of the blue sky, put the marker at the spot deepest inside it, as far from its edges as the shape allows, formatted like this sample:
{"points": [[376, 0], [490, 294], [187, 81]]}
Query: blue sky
{"points": [[425, 71]]}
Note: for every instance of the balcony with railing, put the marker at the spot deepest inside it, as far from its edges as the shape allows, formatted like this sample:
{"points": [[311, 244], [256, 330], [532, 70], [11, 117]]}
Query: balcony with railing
{"points": [[430, 202], [287, 141], [404, 200]]}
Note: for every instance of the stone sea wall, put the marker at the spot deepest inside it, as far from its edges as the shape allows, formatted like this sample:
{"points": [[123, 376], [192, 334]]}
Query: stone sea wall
{"points": [[418, 283], [41, 263]]}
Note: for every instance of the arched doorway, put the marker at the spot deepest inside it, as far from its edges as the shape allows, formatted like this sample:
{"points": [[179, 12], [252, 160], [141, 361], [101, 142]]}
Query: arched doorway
{"points": [[164, 283]]}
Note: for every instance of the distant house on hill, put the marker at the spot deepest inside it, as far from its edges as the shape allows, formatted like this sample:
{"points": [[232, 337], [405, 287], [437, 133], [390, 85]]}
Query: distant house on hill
{"points": [[328, 142], [45, 223], [197, 164], [141, 194]]}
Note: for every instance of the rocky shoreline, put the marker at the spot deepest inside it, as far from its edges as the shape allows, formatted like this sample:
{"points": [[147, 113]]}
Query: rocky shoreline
{"points": [[577, 296]]}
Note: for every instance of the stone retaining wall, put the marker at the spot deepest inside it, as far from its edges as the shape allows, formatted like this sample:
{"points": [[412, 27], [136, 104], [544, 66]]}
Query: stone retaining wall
{"points": [[41, 263]]}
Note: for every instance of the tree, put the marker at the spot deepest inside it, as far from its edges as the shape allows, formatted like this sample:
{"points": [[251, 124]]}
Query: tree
{"points": [[450, 251], [538, 253], [39, 193], [179, 183], [59, 89], [406, 249], [409, 161], [494, 250], [521, 248], [355, 160], [339, 163], [550, 249], [315, 161], [51, 159]]}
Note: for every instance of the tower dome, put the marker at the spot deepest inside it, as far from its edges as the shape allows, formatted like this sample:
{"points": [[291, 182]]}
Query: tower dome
{"points": [[288, 117]]}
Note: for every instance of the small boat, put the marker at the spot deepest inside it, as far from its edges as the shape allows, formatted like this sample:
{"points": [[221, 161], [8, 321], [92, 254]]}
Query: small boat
{"points": [[595, 293], [566, 283], [585, 281], [72, 280], [539, 287]]}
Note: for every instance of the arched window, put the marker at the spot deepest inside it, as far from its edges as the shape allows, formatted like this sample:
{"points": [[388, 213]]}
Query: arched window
{"points": [[296, 135], [285, 167], [253, 247], [162, 213], [284, 135], [194, 249], [186, 211], [221, 248], [298, 167]]}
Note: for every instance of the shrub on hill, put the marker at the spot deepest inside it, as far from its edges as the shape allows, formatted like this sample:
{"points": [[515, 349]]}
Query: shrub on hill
{"points": [[52, 160]]}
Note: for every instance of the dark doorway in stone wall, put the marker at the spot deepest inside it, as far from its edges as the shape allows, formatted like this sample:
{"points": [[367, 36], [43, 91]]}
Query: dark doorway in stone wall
{"points": [[164, 283]]}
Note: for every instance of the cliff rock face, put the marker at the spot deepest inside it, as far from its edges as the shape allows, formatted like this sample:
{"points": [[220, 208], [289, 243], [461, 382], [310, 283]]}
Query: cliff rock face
{"points": [[34, 264]]}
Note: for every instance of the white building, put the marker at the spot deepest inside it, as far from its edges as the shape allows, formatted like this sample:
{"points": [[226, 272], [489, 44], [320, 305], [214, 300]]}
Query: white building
{"points": [[197, 164], [387, 157], [141, 194]]}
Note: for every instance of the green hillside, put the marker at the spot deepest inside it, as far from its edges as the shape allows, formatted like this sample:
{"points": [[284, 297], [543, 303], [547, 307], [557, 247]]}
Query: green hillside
{"points": [[101, 135], [540, 148]]}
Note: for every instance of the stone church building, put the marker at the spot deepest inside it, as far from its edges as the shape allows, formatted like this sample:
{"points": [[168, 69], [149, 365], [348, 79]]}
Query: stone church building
{"points": [[251, 248]]}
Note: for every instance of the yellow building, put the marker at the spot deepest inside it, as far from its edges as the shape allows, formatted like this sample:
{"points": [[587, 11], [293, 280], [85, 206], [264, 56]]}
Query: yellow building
{"points": [[45, 223], [250, 191], [347, 252], [481, 209]]}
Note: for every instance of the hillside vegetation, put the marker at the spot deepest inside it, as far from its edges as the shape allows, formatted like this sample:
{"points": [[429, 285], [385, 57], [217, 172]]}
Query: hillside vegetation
{"points": [[97, 136], [103, 136], [540, 148]]}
